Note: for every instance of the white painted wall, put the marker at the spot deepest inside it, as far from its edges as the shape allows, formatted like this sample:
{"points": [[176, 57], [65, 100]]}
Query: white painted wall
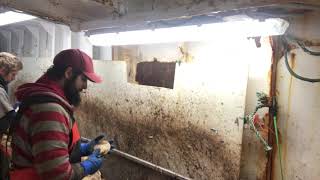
{"points": [[299, 107]]}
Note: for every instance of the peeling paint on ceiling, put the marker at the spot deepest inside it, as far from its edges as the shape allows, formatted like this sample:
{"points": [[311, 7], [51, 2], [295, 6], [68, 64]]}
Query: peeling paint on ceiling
{"points": [[97, 14]]}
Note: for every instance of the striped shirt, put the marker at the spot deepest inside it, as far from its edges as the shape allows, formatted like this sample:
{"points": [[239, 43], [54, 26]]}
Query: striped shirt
{"points": [[41, 141]]}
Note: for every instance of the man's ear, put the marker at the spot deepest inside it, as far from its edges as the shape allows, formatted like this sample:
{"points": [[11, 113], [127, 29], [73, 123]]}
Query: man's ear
{"points": [[68, 73]]}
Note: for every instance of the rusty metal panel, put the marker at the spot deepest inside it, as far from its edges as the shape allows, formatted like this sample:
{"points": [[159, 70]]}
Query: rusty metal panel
{"points": [[159, 74]]}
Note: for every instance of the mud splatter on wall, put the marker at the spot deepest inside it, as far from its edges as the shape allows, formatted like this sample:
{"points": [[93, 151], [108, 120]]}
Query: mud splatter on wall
{"points": [[171, 128]]}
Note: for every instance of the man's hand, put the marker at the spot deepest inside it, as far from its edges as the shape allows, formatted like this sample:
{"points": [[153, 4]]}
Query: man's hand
{"points": [[93, 163], [104, 147], [87, 148]]}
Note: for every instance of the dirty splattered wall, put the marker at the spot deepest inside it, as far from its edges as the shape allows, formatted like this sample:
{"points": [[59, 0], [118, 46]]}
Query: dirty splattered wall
{"points": [[253, 157], [172, 128], [203, 98], [193, 129], [299, 105]]}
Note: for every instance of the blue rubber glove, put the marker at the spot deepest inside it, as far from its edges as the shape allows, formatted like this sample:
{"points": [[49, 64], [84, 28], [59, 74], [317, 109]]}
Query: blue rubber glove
{"points": [[87, 148], [93, 163]]}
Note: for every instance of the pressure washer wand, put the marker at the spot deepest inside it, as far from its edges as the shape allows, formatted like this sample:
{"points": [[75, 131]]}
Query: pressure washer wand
{"points": [[149, 165], [145, 163]]}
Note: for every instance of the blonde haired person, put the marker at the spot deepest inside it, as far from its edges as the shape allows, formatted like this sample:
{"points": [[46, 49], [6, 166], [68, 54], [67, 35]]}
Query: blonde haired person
{"points": [[10, 65]]}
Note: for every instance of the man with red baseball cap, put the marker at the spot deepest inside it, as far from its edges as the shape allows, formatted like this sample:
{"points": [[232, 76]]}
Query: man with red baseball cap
{"points": [[77, 60], [45, 138]]}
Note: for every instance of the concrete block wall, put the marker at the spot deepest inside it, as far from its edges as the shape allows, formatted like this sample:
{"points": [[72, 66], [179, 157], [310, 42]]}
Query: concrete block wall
{"points": [[41, 39], [26, 40]]}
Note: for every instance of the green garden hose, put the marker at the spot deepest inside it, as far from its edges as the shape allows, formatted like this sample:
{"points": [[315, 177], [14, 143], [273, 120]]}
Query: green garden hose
{"points": [[278, 145]]}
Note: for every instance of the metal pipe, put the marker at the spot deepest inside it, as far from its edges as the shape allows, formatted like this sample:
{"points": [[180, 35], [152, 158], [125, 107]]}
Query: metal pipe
{"points": [[149, 165], [144, 163]]}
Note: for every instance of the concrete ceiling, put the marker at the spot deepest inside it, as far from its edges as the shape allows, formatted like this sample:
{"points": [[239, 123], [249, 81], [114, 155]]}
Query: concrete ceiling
{"points": [[113, 15]]}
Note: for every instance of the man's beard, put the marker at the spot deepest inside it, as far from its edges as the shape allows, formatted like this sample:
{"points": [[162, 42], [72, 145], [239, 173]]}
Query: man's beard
{"points": [[72, 94]]}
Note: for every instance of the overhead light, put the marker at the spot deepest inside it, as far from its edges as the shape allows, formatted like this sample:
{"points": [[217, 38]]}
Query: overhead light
{"points": [[204, 32], [10, 17]]}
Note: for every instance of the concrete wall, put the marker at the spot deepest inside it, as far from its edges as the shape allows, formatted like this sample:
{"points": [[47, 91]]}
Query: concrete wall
{"points": [[299, 106], [254, 162], [171, 128]]}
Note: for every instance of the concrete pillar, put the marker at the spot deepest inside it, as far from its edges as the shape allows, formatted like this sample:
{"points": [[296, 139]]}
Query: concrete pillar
{"points": [[27, 41], [102, 52], [80, 41], [106, 53], [62, 38], [45, 41], [96, 52], [17, 41], [31, 40], [5, 43], [48, 36]]}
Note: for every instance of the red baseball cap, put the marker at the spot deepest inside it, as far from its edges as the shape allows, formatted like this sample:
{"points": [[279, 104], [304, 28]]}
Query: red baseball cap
{"points": [[78, 60]]}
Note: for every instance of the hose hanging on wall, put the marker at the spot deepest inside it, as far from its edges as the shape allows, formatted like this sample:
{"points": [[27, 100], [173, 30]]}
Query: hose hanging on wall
{"points": [[286, 50], [303, 47], [295, 74]]}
